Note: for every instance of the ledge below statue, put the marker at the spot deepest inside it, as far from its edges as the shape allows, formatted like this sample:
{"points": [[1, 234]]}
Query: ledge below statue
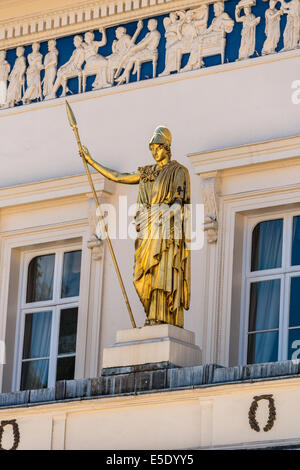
{"points": [[150, 348]]}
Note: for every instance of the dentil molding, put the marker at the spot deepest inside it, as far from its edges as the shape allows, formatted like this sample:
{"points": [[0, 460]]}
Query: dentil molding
{"points": [[54, 189]]}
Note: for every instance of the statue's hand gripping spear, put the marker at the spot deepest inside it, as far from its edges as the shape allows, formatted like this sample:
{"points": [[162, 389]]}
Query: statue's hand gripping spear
{"points": [[73, 124]]}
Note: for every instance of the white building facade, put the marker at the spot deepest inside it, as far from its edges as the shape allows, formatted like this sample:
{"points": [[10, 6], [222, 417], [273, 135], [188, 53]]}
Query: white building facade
{"points": [[224, 78]]}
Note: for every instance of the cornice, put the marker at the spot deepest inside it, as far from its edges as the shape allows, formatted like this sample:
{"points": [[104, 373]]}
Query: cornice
{"points": [[53, 189], [154, 82], [207, 392], [245, 155], [82, 16]]}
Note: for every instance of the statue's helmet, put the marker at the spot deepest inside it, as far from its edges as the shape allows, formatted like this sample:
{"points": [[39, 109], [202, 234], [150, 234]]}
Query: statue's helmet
{"points": [[161, 135]]}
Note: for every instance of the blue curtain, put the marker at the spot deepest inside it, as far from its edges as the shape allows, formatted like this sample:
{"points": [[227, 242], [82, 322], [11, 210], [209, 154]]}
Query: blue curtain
{"points": [[267, 245]]}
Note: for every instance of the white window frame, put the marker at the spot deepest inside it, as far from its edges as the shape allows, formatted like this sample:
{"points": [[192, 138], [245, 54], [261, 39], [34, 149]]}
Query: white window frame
{"points": [[55, 305], [284, 273]]}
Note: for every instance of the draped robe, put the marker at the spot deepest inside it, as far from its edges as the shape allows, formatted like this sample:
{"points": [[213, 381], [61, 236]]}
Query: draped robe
{"points": [[247, 46], [162, 260], [272, 31]]}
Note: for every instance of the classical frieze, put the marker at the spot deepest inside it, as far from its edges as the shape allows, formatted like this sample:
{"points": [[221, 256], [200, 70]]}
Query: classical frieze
{"points": [[57, 19], [180, 41]]}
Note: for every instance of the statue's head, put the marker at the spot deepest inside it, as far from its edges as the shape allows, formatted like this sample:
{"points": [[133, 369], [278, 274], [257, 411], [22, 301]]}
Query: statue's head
{"points": [[189, 16], [35, 47], [218, 8], [152, 24], [51, 44], [120, 31], [89, 37], [173, 16], [77, 41], [20, 51], [160, 144]]}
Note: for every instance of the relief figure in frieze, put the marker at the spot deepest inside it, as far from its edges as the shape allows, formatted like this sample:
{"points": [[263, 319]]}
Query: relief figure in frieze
{"points": [[210, 41], [200, 22], [249, 21], [4, 72], [291, 33], [16, 79], [222, 21], [144, 51], [120, 48], [172, 24], [272, 29], [70, 69], [33, 75], [192, 25], [50, 64], [95, 64]]}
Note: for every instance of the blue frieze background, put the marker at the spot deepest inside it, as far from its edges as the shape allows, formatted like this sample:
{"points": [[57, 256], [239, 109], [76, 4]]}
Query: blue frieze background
{"points": [[65, 44]]}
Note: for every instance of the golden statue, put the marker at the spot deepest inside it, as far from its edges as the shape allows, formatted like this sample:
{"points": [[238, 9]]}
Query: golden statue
{"points": [[162, 260]]}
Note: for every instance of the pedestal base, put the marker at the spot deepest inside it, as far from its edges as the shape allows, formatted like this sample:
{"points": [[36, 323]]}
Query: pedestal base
{"points": [[151, 347]]}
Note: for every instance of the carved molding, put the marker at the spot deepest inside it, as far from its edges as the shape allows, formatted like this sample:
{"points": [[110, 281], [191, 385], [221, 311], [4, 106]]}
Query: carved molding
{"points": [[95, 244], [210, 191], [276, 150], [71, 186]]}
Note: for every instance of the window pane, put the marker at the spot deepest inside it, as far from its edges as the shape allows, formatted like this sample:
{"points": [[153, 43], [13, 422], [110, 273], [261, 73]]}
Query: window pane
{"points": [[67, 331], [294, 344], [264, 305], [262, 347], [296, 242], [267, 245], [40, 278], [37, 335], [71, 274], [295, 302], [65, 368], [34, 374]]}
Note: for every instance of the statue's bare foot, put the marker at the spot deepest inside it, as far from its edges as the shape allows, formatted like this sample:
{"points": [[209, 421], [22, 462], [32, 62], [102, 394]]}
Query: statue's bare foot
{"points": [[122, 79], [153, 322], [187, 68], [164, 73], [49, 97]]}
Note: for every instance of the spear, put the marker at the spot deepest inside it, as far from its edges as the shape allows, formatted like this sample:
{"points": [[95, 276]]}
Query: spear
{"points": [[73, 124]]}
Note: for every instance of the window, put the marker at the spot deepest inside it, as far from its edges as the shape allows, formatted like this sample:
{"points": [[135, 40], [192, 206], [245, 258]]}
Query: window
{"points": [[271, 327], [48, 318]]}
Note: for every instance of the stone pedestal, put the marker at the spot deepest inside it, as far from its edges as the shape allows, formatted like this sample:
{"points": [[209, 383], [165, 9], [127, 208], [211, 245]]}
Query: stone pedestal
{"points": [[151, 347]]}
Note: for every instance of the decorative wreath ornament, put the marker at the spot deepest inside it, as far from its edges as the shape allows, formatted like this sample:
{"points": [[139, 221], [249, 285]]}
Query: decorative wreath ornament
{"points": [[16, 433], [252, 413]]}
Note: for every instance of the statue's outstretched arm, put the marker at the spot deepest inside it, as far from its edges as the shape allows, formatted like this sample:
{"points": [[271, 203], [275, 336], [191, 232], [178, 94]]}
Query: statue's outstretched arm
{"points": [[238, 18], [126, 178], [103, 41]]}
